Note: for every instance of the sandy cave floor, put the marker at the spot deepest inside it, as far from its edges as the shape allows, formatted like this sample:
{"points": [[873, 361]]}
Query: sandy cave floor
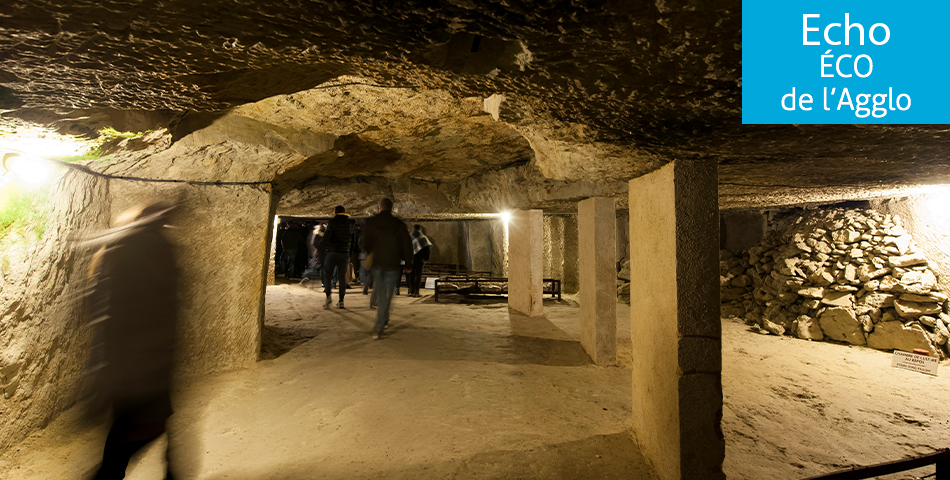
{"points": [[462, 389]]}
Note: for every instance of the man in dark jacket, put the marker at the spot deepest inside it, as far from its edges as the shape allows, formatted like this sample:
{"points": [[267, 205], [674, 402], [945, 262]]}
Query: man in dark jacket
{"points": [[386, 238], [337, 242]]}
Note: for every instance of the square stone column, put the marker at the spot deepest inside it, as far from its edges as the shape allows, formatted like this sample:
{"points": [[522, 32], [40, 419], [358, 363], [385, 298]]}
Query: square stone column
{"points": [[597, 240], [525, 262], [674, 319]]}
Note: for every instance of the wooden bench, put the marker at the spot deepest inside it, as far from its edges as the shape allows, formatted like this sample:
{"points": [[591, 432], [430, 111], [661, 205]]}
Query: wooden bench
{"points": [[477, 285]]}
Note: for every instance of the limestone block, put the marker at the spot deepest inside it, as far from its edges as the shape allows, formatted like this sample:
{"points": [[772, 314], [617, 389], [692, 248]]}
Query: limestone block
{"points": [[822, 277], [928, 321], [938, 297], [772, 327], [789, 266], [787, 298], [597, 238], [913, 309], [808, 328], [526, 262], [741, 281], [812, 292], [897, 336], [702, 444], [911, 277], [841, 324], [838, 299], [942, 334], [912, 297], [916, 288], [866, 273], [844, 288], [850, 273], [673, 214], [823, 247], [624, 270], [888, 283], [907, 260]]}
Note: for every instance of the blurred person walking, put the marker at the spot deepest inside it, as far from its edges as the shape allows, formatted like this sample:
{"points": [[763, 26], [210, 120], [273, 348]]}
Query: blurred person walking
{"points": [[386, 241], [134, 314]]}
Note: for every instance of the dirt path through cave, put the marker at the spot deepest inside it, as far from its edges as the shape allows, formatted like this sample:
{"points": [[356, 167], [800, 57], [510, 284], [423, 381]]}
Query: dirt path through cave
{"points": [[466, 391]]}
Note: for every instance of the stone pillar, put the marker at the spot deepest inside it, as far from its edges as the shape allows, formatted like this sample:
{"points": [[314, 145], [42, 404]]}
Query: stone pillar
{"points": [[571, 281], [674, 317], [525, 262], [597, 238]]}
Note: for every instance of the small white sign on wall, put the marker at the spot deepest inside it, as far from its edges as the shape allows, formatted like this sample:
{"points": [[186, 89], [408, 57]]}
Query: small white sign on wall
{"points": [[912, 361]]}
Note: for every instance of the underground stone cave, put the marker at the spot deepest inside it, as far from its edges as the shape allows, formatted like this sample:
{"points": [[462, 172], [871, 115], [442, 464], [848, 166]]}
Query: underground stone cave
{"points": [[731, 294]]}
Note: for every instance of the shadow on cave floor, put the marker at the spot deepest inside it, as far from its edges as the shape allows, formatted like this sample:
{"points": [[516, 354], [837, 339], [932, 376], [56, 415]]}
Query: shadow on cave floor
{"points": [[276, 341], [609, 456]]}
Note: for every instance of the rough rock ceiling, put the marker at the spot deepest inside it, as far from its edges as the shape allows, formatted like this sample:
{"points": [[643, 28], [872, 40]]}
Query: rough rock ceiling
{"points": [[601, 91]]}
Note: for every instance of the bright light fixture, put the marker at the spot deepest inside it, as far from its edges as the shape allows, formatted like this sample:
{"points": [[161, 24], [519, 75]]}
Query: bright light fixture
{"points": [[39, 141], [30, 172], [505, 216]]}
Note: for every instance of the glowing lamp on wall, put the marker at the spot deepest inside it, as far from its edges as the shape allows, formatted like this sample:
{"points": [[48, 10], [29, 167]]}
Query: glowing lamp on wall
{"points": [[505, 217], [28, 171]]}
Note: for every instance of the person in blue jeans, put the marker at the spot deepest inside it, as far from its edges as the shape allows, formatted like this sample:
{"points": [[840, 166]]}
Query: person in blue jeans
{"points": [[336, 240], [386, 241]]}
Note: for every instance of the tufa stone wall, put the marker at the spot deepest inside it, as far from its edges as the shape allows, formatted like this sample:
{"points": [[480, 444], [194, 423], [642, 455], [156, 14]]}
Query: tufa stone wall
{"points": [[561, 251], [43, 339], [846, 275], [478, 240], [447, 240], [222, 239], [927, 218]]}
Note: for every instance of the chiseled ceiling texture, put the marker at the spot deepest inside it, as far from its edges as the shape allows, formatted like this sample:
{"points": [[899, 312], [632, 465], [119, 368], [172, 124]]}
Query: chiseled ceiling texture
{"points": [[480, 103]]}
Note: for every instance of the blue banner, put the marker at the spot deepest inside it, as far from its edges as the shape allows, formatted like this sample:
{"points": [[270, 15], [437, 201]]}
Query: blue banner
{"points": [[845, 62]]}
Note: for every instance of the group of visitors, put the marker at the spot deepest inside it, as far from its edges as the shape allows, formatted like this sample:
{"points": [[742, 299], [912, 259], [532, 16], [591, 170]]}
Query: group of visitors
{"points": [[297, 245], [376, 255], [133, 309]]}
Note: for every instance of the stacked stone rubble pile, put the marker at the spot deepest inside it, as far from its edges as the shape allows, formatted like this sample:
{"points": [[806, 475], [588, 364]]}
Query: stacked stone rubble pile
{"points": [[845, 275], [623, 281]]}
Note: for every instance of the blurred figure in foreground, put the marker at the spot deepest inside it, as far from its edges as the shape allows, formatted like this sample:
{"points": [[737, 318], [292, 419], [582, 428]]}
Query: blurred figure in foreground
{"points": [[134, 312], [387, 244]]}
